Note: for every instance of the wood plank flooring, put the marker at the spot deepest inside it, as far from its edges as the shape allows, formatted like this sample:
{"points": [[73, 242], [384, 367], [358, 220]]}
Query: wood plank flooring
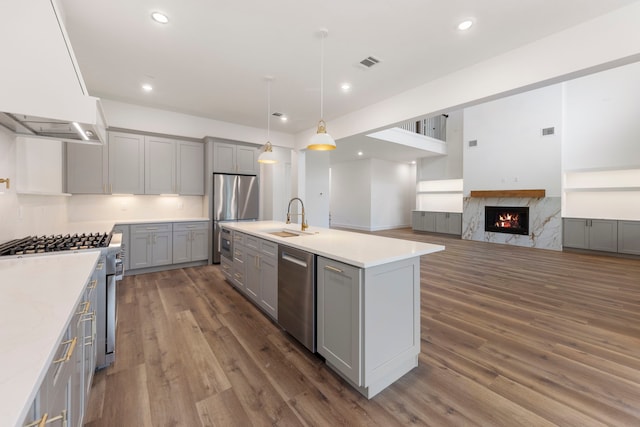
{"points": [[510, 337]]}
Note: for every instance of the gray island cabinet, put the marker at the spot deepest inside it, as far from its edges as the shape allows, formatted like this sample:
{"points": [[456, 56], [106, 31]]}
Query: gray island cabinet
{"points": [[367, 300]]}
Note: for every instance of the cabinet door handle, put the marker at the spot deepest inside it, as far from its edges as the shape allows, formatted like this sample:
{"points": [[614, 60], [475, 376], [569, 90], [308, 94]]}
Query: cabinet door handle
{"points": [[40, 423], [337, 270], [69, 353], [110, 188], [85, 309]]}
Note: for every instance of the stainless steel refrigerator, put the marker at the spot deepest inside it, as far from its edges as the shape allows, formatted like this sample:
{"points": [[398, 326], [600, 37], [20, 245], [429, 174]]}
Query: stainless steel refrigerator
{"points": [[235, 198]]}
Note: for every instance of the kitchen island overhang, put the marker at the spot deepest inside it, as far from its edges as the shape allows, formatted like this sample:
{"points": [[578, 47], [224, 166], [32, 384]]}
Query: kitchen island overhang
{"points": [[368, 299]]}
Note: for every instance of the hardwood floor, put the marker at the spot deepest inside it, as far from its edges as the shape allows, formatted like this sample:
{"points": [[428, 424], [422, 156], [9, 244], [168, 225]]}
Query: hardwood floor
{"points": [[510, 337]]}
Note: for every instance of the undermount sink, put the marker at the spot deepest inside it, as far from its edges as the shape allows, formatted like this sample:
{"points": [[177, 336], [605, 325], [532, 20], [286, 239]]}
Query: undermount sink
{"points": [[283, 234], [287, 232]]}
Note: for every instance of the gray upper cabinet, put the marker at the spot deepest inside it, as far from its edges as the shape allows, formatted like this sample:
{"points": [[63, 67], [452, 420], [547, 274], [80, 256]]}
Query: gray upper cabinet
{"points": [[173, 167], [126, 163], [159, 165], [136, 164], [87, 169], [235, 158], [190, 172]]}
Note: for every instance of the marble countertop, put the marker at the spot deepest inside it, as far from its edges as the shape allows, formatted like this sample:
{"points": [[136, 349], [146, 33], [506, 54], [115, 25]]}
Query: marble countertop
{"points": [[38, 295], [357, 249]]}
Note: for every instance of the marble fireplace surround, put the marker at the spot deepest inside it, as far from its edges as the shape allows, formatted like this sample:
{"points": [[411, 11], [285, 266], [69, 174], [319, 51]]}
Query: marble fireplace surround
{"points": [[545, 221]]}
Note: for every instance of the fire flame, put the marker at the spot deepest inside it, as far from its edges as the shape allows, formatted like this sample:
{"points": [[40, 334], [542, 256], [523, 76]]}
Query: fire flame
{"points": [[508, 220]]}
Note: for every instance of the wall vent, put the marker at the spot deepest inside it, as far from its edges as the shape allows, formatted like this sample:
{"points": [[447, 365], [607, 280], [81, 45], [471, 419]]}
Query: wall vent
{"points": [[277, 114], [473, 143], [548, 131], [369, 62]]}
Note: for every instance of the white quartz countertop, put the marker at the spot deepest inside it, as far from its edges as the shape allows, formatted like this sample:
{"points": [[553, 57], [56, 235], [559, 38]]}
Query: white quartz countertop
{"points": [[357, 249], [38, 295]]}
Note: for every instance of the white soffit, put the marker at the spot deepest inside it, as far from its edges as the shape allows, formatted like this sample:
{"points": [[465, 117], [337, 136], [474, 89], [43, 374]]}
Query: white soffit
{"points": [[431, 146]]}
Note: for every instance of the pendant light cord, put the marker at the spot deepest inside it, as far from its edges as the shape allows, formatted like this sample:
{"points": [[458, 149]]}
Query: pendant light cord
{"points": [[268, 110], [322, 76]]}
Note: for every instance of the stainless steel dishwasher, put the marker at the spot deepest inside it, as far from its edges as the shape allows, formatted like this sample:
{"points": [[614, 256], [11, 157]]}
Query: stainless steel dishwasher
{"points": [[297, 294]]}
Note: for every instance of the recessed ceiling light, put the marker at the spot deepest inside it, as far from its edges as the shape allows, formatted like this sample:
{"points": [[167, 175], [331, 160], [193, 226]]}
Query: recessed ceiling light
{"points": [[465, 25], [284, 118], [360, 153], [147, 87], [160, 17], [413, 162], [346, 87]]}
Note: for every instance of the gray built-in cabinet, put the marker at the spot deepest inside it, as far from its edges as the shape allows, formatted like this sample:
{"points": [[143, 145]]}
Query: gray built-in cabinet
{"points": [[64, 392], [136, 164], [605, 235], [150, 245], [437, 222], [254, 271], [190, 242], [235, 158]]}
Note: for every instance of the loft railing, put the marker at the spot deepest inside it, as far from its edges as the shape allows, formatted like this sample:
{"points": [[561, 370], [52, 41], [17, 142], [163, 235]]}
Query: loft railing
{"points": [[434, 127]]}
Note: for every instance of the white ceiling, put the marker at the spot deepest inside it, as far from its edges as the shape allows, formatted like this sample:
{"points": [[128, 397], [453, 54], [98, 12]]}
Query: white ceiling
{"points": [[210, 60]]}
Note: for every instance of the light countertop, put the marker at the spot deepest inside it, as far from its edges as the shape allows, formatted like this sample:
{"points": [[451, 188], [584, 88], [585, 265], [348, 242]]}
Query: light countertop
{"points": [[357, 249], [38, 295]]}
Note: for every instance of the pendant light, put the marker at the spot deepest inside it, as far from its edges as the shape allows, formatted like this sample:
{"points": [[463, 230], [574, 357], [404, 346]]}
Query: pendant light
{"points": [[322, 141], [267, 156]]}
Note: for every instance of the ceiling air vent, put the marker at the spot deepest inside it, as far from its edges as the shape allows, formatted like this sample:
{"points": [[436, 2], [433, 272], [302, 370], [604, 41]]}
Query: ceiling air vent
{"points": [[369, 62], [473, 143], [277, 114], [548, 131]]}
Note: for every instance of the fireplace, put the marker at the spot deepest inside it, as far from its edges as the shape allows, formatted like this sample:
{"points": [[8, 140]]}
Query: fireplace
{"points": [[507, 219]]}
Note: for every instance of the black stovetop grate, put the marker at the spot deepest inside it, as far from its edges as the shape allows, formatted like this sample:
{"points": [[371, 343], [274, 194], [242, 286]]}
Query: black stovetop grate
{"points": [[54, 243]]}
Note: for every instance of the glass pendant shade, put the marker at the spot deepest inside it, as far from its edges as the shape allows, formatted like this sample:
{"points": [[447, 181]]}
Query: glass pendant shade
{"points": [[267, 156], [321, 141]]}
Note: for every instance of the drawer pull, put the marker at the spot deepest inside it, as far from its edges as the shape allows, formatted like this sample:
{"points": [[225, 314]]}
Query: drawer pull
{"points": [[66, 357], [100, 266], [88, 316], [40, 423], [93, 284], [85, 309], [337, 270]]}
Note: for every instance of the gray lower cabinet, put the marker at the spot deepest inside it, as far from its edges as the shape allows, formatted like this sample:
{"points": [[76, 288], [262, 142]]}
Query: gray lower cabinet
{"points": [[151, 245], [238, 271], [190, 242], [629, 237], [257, 263], [62, 397], [338, 305], [593, 234], [437, 222]]}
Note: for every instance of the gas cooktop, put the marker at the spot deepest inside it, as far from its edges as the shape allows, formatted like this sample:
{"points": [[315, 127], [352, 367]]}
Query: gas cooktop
{"points": [[54, 243]]}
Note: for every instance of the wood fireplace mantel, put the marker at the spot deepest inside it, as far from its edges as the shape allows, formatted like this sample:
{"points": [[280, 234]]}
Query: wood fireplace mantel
{"points": [[508, 193]]}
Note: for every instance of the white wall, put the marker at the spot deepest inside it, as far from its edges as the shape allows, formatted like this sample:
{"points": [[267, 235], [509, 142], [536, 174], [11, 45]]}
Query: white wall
{"points": [[317, 188], [372, 194], [392, 197], [602, 120], [450, 166], [351, 194], [144, 119], [107, 207], [601, 145], [511, 152]]}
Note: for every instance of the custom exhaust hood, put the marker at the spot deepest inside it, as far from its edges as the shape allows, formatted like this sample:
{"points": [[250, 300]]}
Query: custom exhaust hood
{"points": [[43, 92], [57, 129]]}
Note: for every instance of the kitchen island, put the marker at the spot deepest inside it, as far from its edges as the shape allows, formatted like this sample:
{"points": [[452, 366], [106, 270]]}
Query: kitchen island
{"points": [[39, 296], [368, 299]]}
